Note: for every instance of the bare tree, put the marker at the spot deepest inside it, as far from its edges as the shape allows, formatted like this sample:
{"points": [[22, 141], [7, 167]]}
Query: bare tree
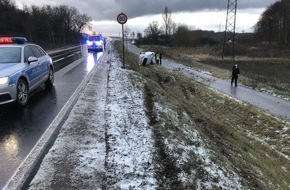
{"points": [[153, 32], [80, 22], [173, 28], [127, 31], [46, 25], [133, 35], [167, 22]]}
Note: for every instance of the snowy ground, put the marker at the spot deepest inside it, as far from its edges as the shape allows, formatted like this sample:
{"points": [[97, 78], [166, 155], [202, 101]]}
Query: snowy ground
{"points": [[107, 142]]}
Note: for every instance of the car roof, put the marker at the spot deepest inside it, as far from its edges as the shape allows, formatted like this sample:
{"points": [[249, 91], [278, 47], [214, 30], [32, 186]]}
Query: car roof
{"points": [[12, 45], [17, 45]]}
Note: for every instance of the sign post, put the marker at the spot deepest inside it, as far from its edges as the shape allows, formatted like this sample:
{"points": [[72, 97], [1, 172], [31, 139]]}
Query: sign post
{"points": [[122, 19]]}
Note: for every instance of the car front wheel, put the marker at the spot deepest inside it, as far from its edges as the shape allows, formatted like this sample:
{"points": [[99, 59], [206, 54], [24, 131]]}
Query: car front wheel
{"points": [[22, 92], [50, 79]]}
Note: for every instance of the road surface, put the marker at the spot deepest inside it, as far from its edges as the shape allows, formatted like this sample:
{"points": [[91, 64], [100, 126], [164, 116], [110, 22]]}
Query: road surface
{"points": [[20, 129]]}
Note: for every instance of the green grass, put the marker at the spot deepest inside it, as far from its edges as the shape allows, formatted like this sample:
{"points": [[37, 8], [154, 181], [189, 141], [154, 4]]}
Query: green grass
{"points": [[254, 144]]}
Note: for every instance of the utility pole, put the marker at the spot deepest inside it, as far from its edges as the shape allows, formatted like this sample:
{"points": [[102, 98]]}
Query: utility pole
{"points": [[286, 22], [229, 37]]}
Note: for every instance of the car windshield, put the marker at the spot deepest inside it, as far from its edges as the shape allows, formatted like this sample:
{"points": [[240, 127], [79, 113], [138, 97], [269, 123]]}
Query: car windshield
{"points": [[10, 54], [95, 38]]}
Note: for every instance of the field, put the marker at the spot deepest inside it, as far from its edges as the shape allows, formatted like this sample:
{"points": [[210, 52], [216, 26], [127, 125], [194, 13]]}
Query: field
{"points": [[269, 74], [186, 116]]}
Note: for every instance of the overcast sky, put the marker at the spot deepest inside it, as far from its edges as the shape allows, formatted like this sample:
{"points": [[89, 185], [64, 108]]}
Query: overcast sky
{"points": [[202, 14]]}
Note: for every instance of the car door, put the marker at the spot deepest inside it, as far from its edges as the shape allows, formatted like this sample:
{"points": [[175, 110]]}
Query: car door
{"points": [[43, 63], [35, 70], [32, 68]]}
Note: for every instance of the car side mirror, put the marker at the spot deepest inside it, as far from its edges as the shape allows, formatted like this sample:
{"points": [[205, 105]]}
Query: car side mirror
{"points": [[32, 59]]}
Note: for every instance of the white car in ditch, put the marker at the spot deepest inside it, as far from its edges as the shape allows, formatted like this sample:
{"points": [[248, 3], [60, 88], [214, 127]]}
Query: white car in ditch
{"points": [[146, 58]]}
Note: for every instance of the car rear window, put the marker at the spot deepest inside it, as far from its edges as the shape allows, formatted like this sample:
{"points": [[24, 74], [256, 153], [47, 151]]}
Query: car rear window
{"points": [[10, 55]]}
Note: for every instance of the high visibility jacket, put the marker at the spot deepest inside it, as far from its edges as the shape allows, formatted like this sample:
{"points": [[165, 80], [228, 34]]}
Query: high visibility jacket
{"points": [[157, 56]]}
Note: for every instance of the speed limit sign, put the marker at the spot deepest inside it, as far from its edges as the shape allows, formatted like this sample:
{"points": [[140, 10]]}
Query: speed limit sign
{"points": [[122, 18]]}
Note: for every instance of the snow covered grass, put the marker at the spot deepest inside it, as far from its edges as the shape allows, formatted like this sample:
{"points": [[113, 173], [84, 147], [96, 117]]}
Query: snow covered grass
{"points": [[149, 128], [129, 137], [211, 140], [106, 141]]}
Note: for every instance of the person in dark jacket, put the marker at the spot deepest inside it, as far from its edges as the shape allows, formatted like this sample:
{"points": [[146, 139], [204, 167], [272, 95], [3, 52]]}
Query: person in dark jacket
{"points": [[235, 74]]}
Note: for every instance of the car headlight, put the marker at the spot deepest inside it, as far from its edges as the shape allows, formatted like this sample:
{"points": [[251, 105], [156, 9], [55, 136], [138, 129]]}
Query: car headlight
{"points": [[99, 43], [4, 80], [89, 43]]}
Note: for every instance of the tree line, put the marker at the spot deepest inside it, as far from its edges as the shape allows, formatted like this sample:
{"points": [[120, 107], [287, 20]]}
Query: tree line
{"points": [[60, 25], [273, 25], [49, 26], [171, 34]]}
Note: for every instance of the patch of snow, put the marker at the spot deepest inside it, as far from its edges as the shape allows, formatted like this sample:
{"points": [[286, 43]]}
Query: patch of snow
{"points": [[205, 72], [129, 159], [273, 93]]}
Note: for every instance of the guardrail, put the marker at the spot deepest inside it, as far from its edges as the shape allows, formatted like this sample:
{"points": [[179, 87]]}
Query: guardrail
{"points": [[64, 57]]}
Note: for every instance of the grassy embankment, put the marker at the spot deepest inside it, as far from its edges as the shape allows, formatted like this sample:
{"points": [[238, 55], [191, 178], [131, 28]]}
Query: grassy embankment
{"points": [[269, 74], [241, 137]]}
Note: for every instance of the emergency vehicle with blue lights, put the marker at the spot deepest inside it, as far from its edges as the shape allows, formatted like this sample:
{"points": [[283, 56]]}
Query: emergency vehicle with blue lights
{"points": [[23, 67], [96, 43]]}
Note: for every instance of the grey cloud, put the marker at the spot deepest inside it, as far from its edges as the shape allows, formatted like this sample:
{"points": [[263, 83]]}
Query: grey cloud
{"points": [[109, 9]]}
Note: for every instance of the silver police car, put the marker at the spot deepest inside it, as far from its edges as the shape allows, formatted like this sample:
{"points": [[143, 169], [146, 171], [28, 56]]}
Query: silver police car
{"points": [[23, 67]]}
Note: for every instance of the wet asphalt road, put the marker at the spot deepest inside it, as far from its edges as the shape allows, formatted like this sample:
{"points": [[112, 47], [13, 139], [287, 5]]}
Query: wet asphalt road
{"points": [[273, 105], [20, 129]]}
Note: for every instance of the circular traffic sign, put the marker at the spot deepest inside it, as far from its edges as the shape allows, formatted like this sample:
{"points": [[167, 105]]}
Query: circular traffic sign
{"points": [[122, 18]]}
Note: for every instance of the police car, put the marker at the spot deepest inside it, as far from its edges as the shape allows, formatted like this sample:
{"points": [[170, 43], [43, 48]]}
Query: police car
{"points": [[23, 67]]}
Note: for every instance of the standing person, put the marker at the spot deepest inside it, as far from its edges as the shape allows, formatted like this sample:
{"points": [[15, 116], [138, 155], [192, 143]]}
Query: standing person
{"points": [[160, 57], [157, 57], [235, 74]]}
